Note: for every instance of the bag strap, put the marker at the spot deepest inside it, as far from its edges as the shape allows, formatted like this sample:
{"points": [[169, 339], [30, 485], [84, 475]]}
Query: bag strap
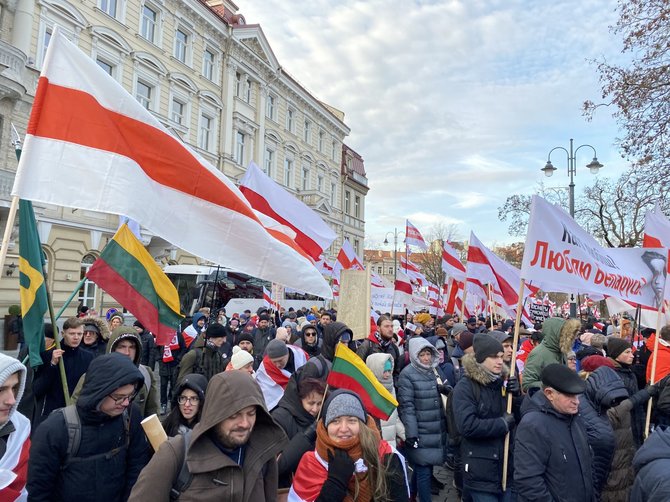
{"points": [[184, 477], [73, 424]]}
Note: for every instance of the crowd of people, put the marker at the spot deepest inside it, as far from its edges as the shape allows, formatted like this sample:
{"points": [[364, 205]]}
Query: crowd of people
{"points": [[248, 414]]}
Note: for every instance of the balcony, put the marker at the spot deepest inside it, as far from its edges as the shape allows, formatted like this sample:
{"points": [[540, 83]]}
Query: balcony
{"points": [[12, 78]]}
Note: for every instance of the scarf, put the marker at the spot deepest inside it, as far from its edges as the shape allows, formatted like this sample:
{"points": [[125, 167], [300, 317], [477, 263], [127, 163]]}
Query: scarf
{"points": [[491, 376], [353, 448], [167, 349], [277, 375]]}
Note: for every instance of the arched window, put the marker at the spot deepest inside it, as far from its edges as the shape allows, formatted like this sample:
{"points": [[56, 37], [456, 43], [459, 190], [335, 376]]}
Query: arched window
{"points": [[88, 289]]}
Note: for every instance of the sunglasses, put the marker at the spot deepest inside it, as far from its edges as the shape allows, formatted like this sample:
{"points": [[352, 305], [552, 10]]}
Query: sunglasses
{"points": [[311, 333]]}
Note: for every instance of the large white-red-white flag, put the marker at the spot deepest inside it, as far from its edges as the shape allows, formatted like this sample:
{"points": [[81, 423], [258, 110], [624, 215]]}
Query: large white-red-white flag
{"points": [[85, 126], [403, 289], [413, 237], [346, 259], [413, 271], [267, 197], [451, 262], [269, 301]]}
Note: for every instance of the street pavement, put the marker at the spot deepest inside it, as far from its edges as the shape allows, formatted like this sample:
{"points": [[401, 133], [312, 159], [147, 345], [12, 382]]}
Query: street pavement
{"points": [[448, 494]]}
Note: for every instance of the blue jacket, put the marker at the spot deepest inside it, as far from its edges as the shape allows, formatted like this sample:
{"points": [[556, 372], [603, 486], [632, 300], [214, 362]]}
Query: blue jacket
{"points": [[652, 464]]}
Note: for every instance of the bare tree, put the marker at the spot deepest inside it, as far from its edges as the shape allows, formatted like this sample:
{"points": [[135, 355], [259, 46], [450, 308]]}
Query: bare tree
{"points": [[431, 260], [516, 208]]}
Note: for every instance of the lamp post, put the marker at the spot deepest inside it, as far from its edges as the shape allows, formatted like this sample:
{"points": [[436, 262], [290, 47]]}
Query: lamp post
{"points": [[395, 234], [548, 170]]}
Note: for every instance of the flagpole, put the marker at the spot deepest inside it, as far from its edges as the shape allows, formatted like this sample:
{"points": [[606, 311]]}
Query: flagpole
{"points": [[70, 298], [61, 365], [515, 346], [491, 306], [323, 398], [654, 360]]}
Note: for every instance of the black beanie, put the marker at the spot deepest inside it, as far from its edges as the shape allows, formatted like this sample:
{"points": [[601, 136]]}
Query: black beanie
{"points": [[486, 346], [245, 337], [616, 346], [215, 330]]}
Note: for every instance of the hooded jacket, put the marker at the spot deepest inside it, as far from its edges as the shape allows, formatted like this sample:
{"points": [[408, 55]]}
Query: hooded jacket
{"points": [[192, 332], [174, 423], [215, 476], [420, 406], [375, 344], [638, 412], [559, 336], [482, 428], [331, 336], [392, 428], [552, 458], [99, 347], [204, 358], [652, 464], [604, 389], [312, 350], [105, 445]]}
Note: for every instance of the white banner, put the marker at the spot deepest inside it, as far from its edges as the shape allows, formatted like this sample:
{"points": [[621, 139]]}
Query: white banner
{"points": [[561, 256]]}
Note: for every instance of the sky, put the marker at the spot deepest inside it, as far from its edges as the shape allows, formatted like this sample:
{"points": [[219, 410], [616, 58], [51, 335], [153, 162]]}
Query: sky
{"points": [[453, 105]]}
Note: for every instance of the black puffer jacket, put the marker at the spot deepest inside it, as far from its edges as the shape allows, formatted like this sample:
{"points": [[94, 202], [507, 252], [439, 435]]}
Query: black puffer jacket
{"points": [[104, 448], [652, 464], [483, 430], [603, 389], [312, 350], [420, 407], [552, 458], [638, 413]]}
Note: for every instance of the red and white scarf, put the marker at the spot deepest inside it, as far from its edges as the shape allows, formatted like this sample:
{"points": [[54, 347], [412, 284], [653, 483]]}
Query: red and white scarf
{"points": [[15, 460], [167, 349], [273, 381]]}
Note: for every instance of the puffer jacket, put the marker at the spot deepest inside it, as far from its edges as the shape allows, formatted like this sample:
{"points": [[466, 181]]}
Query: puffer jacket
{"points": [[331, 337], [652, 464], [480, 423], [559, 336], [215, 476], [552, 458], [392, 428], [638, 413], [603, 389], [420, 406], [105, 447]]}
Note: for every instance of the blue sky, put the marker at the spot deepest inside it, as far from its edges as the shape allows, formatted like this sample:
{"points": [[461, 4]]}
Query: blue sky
{"points": [[454, 105]]}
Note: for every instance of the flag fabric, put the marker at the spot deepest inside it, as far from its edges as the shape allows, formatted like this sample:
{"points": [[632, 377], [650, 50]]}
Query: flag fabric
{"points": [[312, 234], [451, 262], [347, 259], [403, 287], [350, 372], [413, 237], [85, 126], [127, 271], [269, 302], [324, 266], [32, 288], [413, 271]]}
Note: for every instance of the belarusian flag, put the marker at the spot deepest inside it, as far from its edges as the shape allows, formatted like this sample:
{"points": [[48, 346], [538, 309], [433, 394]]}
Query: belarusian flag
{"points": [[350, 372], [32, 289], [128, 272]]}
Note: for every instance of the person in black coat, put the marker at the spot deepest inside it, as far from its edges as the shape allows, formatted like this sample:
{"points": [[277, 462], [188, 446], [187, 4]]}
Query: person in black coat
{"points": [[479, 404], [652, 464], [552, 458], [47, 386], [309, 340], [111, 440]]}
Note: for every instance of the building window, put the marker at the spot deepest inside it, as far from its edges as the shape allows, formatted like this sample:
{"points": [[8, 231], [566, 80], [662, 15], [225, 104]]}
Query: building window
{"points": [[347, 201], [357, 245], [144, 94], [205, 132], [88, 289], [268, 164], [322, 137], [357, 206], [319, 183], [288, 172], [239, 148], [108, 7], [181, 45], [270, 107], [290, 120], [178, 111], [307, 132], [109, 69], [333, 194], [305, 178], [238, 85], [208, 64], [379, 270], [247, 91], [333, 154], [390, 270], [149, 22]]}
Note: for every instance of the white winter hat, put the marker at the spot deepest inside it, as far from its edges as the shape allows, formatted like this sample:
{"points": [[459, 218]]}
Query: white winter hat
{"points": [[240, 358]]}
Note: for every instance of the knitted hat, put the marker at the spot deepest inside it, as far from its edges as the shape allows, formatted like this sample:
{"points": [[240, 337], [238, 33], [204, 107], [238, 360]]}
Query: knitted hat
{"points": [[441, 332], [216, 330], [343, 403], [598, 341], [240, 358], [276, 348], [245, 337], [9, 366], [263, 317], [91, 327], [592, 363], [457, 328], [311, 317], [466, 339], [486, 346], [423, 318], [115, 314], [616, 346], [282, 334]]}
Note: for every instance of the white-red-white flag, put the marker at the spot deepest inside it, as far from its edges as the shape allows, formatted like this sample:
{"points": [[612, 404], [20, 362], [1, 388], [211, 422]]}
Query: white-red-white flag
{"points": [[403, 287], [266, 196], [85, 126], [413, 271], [347, 259], [413, 237], [269, 301], [451, 262]]}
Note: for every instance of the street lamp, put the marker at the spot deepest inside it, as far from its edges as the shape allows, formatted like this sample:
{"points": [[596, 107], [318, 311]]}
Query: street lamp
{"points": [[548, 170], [395, 234]]}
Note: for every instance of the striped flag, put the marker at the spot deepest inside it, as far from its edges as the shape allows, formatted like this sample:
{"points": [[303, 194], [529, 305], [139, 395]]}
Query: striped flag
{"points": [[413, 237], [32, 288], [451, 262], [269, 302], [350, 372], [127, 271], [85, 126]]}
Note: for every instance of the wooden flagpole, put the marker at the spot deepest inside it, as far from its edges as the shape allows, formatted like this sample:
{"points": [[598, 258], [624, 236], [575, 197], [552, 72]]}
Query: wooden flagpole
{"points": [[654, 360], [491, 305], [515, 346]]}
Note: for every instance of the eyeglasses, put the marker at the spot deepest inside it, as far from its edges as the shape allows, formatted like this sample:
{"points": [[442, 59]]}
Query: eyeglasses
{"points": [[190, 399], [310, 334], [120, 399]]}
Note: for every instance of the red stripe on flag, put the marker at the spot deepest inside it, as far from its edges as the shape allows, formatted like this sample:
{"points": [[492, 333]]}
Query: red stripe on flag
{"points": [[342, 381]]}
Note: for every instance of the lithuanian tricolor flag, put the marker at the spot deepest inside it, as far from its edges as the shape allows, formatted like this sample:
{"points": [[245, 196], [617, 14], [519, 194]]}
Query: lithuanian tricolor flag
{"points": [[350, 372], [127, 271]]}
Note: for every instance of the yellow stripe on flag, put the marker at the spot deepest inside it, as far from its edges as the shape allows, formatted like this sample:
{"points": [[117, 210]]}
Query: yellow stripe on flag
{"points": [[345, 353], [36, 280]]}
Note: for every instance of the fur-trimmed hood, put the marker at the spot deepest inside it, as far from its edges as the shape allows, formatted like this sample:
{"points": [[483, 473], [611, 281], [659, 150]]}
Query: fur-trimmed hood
{"points": [[476, 372], [100, 323], [559, 334], [126, 333]]}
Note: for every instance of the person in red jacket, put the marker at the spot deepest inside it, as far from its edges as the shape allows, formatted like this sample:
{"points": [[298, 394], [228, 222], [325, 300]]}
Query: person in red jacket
{"points": [[663, 357]]}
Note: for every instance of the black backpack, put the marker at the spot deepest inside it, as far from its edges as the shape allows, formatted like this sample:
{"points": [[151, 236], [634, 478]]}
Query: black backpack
{"points": [[454, 435]]}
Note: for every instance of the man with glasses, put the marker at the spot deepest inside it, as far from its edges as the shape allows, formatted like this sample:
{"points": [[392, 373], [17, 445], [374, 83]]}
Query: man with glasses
{"points": [[93, 450], [309, 340]]}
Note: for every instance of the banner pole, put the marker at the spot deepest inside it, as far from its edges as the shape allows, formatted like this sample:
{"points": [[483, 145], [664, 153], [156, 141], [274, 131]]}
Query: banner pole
{"points": [[515, 346], [70, 298], [654, 360], [491, 306]]}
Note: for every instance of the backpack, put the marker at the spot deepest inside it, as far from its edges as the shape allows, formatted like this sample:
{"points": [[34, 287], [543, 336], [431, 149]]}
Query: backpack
{"points": [[184, 477], [455, 436]]}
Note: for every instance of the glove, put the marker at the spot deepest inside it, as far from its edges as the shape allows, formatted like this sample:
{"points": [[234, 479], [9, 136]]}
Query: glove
{"points": [[310, 432], [412, 443], [653, 389], [513, 386], [340, 467], [444, 388], [509, 420]]}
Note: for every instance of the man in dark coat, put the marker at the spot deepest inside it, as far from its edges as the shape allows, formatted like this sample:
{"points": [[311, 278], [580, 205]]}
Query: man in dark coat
{"points": [[262, 334], [652, 464], [381, 342], [111, 440], [480, 412], [552, 459]]}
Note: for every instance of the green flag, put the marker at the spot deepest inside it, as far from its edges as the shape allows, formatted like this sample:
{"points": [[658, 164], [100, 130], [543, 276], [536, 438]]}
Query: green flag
{"points": [[34, 303]]}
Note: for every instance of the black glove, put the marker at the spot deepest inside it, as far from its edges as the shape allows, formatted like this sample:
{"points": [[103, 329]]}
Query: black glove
{"points": [[310, 432], [412, 443], [444, 388], [340, 467], [509, 420], [653, 389], [513, 386]]}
